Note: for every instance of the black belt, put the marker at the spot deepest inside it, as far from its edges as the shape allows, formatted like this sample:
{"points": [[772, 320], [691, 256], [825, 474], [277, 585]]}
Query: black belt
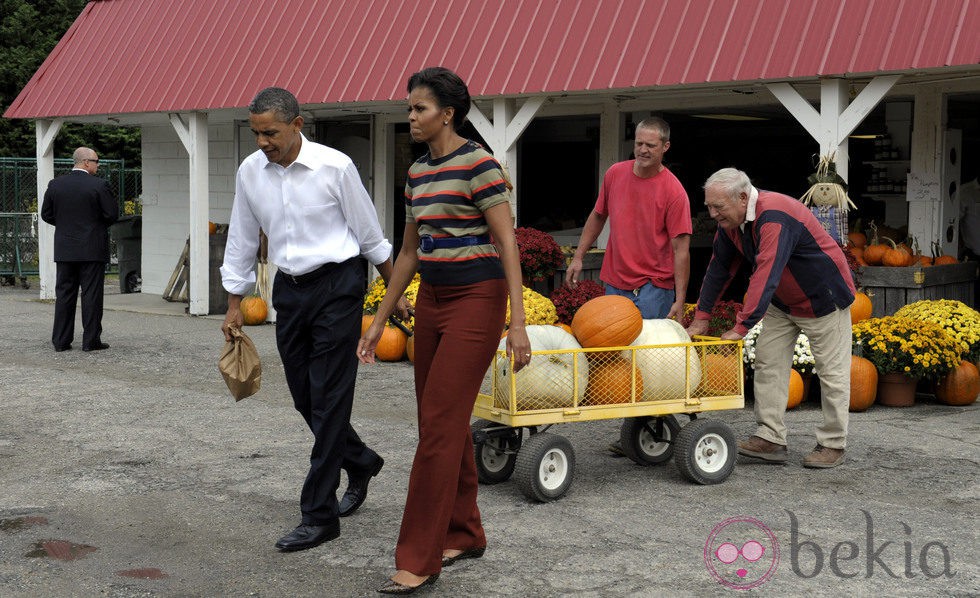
{"points": [[311, 275], [428, 243]]}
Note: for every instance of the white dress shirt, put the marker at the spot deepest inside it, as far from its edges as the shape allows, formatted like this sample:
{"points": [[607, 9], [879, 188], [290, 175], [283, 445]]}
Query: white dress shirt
{"points": [[313, 211]]}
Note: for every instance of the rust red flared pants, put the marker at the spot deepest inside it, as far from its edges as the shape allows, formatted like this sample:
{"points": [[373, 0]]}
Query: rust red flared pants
{"points": [[457, 329]]}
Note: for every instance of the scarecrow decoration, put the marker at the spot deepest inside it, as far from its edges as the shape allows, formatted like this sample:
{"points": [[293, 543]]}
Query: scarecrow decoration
{"points": [[827, 198]]}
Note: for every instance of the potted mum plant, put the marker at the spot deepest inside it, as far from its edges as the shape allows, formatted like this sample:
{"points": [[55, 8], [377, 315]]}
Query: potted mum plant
{"points": [[540, 254], [904, 350]]}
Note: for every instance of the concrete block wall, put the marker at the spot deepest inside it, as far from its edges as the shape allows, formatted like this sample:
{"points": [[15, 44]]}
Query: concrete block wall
{"points": [[166, 223]]}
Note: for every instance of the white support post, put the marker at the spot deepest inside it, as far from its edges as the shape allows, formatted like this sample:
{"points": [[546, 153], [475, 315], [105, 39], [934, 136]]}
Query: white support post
{"points": [[924, 183], [46, 131], [194, 136], [836, 119], [383, 146], [503, 132], [611, 136], [833, 102]]}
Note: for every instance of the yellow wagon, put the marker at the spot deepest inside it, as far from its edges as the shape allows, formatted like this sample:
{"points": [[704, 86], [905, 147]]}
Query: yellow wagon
{"points": [[646, 386]]}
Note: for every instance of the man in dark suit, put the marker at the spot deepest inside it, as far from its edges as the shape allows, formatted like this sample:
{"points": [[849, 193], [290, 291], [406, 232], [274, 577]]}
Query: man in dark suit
{"points": [[81, 207]]}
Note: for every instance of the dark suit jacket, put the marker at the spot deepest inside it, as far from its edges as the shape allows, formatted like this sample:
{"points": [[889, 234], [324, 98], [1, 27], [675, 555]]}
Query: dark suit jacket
{"points": [[81, 207]]}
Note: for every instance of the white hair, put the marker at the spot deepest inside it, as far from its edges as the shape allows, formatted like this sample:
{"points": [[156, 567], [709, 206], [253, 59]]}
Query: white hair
{"points": [[731, 181]]}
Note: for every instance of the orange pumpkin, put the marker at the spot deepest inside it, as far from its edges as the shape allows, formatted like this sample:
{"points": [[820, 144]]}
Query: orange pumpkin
{"points": [[607, 321], [896, 256], [254, 310], [795, 390], [410, 348], [721, 374], [565, 327], [944, 260], [864, 383], [961, 386], [212, 228], [861, 308], [924, 261], [391, 345], [874, 252], [609, 382], [857, 239]]}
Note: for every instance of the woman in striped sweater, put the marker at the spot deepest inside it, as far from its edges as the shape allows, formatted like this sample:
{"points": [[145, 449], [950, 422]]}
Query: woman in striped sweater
{"points": [[459, 236]]}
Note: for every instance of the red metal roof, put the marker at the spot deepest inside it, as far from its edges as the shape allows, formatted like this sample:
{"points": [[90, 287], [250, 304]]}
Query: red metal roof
{"points": [[128, 56]]}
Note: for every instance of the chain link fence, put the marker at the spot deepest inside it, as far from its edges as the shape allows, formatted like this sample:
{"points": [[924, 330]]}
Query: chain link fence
{"points": [[19, 204]]}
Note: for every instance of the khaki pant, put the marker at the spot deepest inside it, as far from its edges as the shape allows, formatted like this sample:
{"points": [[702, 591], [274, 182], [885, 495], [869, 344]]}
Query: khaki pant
{"points": [[830, 342]]}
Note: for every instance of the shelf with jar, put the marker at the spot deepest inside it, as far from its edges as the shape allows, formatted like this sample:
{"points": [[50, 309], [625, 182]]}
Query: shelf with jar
{"points": [[889, 171]]}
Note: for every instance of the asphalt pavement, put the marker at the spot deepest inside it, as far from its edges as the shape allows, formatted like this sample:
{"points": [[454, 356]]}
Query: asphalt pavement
{"points": [[132, 472]]}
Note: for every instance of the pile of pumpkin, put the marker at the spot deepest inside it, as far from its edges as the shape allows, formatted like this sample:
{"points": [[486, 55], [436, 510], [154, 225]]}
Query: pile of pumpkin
{"points": [[559, 371], [883, 251]]}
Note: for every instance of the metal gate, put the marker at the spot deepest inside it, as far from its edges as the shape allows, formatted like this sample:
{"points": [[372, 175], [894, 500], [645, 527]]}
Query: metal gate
{"points": [[18, 248]]}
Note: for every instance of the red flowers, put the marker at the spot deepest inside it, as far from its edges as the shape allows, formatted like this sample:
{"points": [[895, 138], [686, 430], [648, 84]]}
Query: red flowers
{"points": [[567, 300], [540, 253], [722, 317]]}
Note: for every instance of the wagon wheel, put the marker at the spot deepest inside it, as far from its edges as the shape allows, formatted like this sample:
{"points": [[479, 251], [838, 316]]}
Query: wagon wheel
{"points": [[649, 440], [495, 451], [705, 451], [545, 467]]}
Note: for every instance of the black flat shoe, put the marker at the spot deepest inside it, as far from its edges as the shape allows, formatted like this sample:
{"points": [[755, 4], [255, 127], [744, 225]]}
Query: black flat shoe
{"points": [[96, 347], [65, 348], [308, 536], [393, 587], [472, 553], [357, 490]]}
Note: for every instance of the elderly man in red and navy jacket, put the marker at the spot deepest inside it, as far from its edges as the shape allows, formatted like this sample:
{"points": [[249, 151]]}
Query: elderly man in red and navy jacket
{"points": [[800, 282]]}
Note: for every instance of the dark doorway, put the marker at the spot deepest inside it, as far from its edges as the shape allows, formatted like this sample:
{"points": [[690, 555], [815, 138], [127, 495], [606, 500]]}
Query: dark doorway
{"points": [[558, 176]]}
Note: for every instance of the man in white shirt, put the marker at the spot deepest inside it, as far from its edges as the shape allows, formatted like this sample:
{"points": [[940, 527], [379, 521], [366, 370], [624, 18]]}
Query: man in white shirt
{"points": [[319, 219]]}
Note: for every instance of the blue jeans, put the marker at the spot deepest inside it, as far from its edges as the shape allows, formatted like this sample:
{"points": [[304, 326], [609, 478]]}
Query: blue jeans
{"points": [[653, 301]]}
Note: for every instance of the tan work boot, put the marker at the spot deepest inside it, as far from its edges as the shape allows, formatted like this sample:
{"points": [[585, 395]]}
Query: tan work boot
{"points": [[760, 448], [824, 457]]}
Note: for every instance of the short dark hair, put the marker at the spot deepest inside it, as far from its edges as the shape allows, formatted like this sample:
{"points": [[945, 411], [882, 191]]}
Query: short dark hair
{"points": [[447, 88], [657, 124], [277, 100]]}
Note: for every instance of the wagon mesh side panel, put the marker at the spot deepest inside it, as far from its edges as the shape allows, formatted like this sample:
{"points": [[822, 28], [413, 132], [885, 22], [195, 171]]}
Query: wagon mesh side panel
{"points": [[592, 378]]}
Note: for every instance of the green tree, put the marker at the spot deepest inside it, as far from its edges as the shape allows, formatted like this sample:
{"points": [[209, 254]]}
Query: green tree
{"points": [[29, 30]]}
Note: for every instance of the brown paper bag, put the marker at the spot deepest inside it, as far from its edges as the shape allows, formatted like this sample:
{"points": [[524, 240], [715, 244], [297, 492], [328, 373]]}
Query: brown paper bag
{"points": [[240, 366]]}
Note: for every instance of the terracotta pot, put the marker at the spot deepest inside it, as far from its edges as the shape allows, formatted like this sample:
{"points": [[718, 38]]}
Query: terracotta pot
{"points": [[896, 390]]}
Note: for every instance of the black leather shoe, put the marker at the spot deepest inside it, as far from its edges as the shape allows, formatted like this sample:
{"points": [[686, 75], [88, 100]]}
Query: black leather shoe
{"points": [[65, 348], [357, 490], [393, 587], [307, 536], [96, 347], [472, 553]]}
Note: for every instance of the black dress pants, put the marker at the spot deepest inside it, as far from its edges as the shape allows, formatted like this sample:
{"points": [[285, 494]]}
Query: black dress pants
{"points": [[90, 276], [318, 324]]}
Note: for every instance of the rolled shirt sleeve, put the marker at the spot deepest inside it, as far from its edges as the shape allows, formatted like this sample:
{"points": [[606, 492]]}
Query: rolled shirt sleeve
{"points": [[362, 219], [238, 269]]}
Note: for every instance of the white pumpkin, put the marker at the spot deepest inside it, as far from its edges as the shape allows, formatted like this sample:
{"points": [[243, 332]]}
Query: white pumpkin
{"points": [[664, 369], [547, 382]]}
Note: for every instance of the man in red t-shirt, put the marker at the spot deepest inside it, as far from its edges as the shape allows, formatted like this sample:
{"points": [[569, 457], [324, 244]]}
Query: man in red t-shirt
{"points": [[647, 257], [649, 214]]}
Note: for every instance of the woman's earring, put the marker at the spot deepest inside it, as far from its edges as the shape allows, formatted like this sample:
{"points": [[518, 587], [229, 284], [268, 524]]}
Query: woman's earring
{"points": [[445, 122]]}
